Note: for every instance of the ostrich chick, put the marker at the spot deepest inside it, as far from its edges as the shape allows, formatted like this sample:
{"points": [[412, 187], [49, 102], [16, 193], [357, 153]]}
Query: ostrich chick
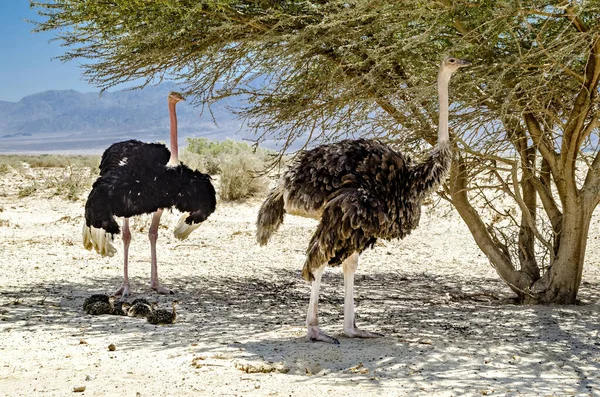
{"points": [[89, 301], [121, 308], [101, 307], [161, 316], [140, 308]]}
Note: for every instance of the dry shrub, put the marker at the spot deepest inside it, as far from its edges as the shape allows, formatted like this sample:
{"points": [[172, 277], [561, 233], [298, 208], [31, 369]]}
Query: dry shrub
{"points": [[72, 183], [239, 179], [50, 161], [237, 163], [5, 168], [28, 190]]}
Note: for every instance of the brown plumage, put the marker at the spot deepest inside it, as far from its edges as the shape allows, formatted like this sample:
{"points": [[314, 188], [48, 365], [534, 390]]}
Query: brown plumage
{"points": [[121, 308], [360, 190], [161, 316], [90, 300], [100, 305], [139, 308]]}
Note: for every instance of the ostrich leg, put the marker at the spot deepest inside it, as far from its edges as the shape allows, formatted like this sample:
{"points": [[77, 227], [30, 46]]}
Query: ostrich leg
{"points": [[153, 236], [126, 234], [349, 268], [314, 333]]}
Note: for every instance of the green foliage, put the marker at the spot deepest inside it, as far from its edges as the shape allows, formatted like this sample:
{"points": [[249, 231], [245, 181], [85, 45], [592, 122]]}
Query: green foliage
{"points": [[208, 156]]}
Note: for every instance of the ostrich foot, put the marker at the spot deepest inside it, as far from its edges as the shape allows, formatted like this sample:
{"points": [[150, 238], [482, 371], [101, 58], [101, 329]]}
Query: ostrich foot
{"points": [[359, 333], [123, 290], [314, 334], [161, 290]]}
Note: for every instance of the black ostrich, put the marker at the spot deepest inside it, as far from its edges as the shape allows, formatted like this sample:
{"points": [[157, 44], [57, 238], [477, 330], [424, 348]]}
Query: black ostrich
{"points": [[360, 190], [141, 178]]}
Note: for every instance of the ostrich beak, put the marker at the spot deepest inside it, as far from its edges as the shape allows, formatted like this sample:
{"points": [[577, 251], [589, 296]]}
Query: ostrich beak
{"points": [[463, 63]]}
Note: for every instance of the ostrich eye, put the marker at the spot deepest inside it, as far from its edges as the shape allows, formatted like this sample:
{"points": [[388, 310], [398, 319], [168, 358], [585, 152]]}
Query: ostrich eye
{"points": [[451, 60]]}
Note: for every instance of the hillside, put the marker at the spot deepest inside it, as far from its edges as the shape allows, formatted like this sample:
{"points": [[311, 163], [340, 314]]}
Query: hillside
{"points": [[71, 121]]}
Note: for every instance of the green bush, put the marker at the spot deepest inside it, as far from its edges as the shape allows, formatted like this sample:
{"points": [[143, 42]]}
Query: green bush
{"points": [[51, 161]]}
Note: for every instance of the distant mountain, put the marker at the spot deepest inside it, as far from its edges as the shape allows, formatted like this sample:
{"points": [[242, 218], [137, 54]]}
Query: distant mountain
{"points": [[71, 121]]}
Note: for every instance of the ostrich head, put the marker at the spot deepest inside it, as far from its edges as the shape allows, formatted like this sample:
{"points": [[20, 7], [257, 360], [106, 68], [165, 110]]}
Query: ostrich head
{"points": [[451, 64], [175, 97]]}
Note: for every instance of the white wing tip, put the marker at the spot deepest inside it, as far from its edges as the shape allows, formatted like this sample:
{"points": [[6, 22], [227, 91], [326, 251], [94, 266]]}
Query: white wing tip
{"points": [[182, 229], [98, 240]]}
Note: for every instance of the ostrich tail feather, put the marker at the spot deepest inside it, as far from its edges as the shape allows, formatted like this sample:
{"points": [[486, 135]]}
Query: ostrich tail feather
{"points": [[99, 240], [183, 229], [270, 216]]}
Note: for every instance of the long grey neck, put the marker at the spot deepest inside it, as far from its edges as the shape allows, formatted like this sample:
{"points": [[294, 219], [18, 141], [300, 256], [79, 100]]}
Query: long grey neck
{"points": [[443, 82], [427, 176]]}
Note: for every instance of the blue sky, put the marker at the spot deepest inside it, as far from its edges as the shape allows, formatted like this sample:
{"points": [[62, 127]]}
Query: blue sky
{"points": [[26, 64]]}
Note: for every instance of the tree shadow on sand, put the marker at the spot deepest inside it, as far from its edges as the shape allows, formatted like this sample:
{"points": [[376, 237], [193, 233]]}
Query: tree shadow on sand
{"points": [[440, 330]]}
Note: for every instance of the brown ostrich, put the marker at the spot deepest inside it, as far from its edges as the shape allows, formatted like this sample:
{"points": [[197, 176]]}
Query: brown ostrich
{"points": [[360, 190]]}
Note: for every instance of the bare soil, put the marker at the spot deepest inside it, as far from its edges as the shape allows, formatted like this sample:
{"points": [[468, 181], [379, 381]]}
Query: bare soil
{"points": [[451, 327]]}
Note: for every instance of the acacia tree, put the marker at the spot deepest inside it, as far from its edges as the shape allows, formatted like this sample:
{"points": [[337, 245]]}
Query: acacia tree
{"points": [[524, 118]]}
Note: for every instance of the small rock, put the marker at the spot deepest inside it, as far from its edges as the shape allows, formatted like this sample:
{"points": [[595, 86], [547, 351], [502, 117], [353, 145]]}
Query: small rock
{"points": [[79, 389], [112, 348]]}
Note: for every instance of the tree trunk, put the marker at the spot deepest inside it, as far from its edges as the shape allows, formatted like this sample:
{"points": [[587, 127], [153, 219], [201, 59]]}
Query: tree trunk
{"points": [[561, 281], [518, 281]]}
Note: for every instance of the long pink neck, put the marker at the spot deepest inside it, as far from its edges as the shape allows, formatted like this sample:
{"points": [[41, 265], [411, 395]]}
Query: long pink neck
{"points": [[174, 160]]}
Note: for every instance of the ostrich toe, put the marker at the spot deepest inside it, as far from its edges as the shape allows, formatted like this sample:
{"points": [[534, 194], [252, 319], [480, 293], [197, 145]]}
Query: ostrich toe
{"points": [[359, 333], [314, 334], [162, 290], [123, 290]]}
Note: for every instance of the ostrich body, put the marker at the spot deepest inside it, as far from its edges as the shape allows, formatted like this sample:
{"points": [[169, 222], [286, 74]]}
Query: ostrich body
{"points": [[101, 306], [162, 316], [89, 301], [360, 190], [121, 308], [139, 308], [141, 178]]}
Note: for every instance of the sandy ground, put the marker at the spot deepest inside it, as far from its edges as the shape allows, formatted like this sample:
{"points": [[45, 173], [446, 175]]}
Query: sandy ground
{"points": [[450, 327]]}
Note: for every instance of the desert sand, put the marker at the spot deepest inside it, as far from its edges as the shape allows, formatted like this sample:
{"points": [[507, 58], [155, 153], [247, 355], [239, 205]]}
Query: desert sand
{"points": [[451, 328]]}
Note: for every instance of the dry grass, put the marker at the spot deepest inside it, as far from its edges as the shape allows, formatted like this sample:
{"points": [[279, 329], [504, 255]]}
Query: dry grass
{"points": [[72, 183], [49, 161], [28, 190]]}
